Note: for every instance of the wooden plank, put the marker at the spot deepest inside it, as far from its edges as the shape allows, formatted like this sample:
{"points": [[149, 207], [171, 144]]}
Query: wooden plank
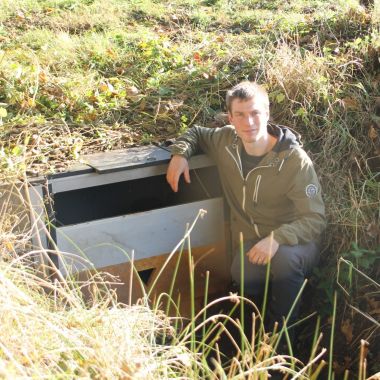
{"points": [[212, 258], [111, 241]]}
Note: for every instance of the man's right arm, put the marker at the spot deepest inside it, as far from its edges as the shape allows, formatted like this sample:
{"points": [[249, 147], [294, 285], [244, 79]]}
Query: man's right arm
{"points": [[178, 166], [192, 141]]}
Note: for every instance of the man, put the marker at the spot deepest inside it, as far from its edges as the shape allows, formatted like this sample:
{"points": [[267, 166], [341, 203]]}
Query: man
{"points": [[272, 189]]}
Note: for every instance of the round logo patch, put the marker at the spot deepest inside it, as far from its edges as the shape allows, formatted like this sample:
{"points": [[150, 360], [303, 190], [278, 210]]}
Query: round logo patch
{"points": [[311, 190]]}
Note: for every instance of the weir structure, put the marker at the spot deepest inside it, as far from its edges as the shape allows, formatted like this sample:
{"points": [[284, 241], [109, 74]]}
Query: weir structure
{"points": [[116, 213]]}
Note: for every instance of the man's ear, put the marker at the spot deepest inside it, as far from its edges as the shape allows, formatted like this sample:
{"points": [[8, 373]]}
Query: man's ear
{"points": [[229, 117]]}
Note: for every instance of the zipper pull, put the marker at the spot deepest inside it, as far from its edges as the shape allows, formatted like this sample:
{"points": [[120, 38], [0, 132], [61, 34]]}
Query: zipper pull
{"points": [[243, 202]]}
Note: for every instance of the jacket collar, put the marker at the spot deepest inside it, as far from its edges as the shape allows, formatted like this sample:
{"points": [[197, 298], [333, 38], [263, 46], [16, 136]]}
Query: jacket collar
{"points": [[275, 157]]}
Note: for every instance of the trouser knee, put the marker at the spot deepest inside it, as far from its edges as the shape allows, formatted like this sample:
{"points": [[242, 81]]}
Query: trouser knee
{"points": [[294, 261]]}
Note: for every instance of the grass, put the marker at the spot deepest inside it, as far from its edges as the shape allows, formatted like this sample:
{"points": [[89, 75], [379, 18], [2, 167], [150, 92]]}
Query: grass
{"points": [[50, 330], [64, 339], [82, 76], [58, 337]]}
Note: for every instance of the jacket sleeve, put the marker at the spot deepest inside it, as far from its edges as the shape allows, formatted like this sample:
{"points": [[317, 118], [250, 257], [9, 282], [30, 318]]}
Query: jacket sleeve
{"points": [[199, 139], [304, 192]]}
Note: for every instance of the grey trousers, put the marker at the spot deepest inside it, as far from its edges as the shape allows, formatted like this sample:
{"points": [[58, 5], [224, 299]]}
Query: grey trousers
{"points": [[288, 269]]}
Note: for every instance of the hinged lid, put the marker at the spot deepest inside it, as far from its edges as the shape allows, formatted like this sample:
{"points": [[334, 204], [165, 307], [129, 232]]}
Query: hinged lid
{"points": [[115, 160]]}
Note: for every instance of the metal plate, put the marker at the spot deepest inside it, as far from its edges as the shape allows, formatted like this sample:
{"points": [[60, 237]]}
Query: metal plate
{"points": [[111, 241], [106, 162], [80, 181]]}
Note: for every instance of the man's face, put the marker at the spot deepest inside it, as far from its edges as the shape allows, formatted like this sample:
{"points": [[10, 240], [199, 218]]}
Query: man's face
{"points": [[250, 118]]}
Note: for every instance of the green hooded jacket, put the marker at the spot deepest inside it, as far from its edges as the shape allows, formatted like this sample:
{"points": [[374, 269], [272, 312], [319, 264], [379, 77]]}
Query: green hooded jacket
{"points": [[282, 194]]}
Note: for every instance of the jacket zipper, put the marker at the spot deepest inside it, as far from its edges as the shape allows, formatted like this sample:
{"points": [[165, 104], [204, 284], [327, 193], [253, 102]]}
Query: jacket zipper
{"points": [[239, 165], [256, 230], [256, 191], [257, 184], [243, 202]]}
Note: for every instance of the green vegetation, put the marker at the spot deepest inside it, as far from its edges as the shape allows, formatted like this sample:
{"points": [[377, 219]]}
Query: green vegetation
{"points": [[78, 76]]}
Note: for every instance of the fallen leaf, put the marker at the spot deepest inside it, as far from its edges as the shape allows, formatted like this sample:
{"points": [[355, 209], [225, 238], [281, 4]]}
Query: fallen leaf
{"points": [[197, 57], [120, 70], [31, 103], [103, 87], [351, 103], [111, 53], [90, 116], [3, 112], [346, 329], [93, 99], [42, 77], [20, 15], [142, 105], [373, 135], [132, 91]]}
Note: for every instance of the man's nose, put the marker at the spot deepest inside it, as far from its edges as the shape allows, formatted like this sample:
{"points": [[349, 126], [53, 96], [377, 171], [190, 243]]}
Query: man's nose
{"points": [[250, 120]]}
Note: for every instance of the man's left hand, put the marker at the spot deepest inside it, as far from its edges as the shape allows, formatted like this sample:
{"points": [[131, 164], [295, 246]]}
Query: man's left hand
{"points": [[263, 251]]}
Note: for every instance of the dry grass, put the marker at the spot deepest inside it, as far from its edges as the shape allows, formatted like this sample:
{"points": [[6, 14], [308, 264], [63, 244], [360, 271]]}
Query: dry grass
{"points": [[48, 328], [57, 336]]}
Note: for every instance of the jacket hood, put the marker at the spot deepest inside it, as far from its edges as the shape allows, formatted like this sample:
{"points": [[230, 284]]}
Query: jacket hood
{"points": [[287, 138]]}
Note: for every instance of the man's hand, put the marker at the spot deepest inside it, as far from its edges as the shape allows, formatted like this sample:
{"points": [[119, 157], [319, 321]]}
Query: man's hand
{"points": [[263, 251], [177, 166]]}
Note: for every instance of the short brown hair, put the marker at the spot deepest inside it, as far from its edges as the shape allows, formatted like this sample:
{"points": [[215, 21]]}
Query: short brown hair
{"points": [[244, 91]]}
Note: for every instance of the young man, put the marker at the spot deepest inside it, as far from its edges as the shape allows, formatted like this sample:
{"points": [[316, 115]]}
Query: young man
{"points": [[272, 189]]}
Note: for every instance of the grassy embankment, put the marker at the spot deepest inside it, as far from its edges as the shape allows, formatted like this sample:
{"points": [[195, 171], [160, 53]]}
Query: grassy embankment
{"points": [[82, 76]]}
